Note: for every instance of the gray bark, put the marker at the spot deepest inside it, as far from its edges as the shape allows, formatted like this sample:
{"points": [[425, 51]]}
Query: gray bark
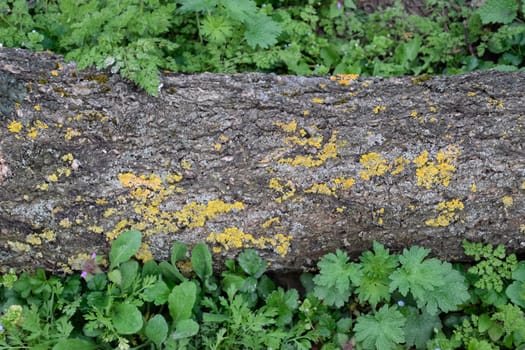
{"points": [[324, 163]]}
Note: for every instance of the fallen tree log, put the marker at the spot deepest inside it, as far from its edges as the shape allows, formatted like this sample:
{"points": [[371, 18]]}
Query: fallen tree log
{"points": [[292, 166]]}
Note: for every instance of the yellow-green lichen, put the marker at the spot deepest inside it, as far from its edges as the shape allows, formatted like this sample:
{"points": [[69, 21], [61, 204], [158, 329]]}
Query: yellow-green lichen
{"points": [[507, 202], [286, 190], [19, 247], [447, 213], [235, 238], [328, 151], [399, 165], [15, 126], [321, 188], [430, 173], [287, 127], [374, 165], [270, 222]]}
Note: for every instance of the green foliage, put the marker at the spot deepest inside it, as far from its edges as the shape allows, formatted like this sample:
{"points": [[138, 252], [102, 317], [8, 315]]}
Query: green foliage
{"points": [[384, 301], [383, 330], [336, 278], [137, 38], [433, 284], [376, 270]]}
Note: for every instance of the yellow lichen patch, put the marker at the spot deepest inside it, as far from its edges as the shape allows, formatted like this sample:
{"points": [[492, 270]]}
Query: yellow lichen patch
{"points": [[287, 127], [270, 222], [52, 178], [54, 73], [70, 133], [217, 146], [306, 112], [507, 202], [447, 213], [15, 126], [321, 188], [328, 151], [19, 247], [224, 138], [344, 79], [67, 158], [42, 187], [340, 210], [495, 103], [314, 141], [37, 107], [287, 190], [429, 173], [186, 164], [317, 100], [48, 235], [473, 188], [235, 238], [471, 94], [522, 228], [346, 183], [173, 178], [374, 165], [32, 133], [144, 254], [96, 229], [195, 214], [378, 109], [153, 181], [399, 165], [33, 239], [117, 230], [65, 223]]}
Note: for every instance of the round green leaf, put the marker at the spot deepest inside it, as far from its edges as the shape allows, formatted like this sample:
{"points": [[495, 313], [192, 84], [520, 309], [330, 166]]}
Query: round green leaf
{"points": [[127, 319], [157, 330]]}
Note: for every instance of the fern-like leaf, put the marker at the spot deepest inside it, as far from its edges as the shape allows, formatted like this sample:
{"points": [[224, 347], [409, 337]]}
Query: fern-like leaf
{"points": [[262, 31]]}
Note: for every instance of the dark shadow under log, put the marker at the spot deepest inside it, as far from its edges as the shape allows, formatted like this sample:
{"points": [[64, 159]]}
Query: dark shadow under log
{"points": [[295, 167]]}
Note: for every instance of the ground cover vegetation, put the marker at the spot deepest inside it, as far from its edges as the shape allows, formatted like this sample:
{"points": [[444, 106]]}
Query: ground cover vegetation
{"points": [[137, 38], [381, 301]]}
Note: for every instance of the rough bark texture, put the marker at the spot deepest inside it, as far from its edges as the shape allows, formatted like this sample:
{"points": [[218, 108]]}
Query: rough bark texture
{"points": [[295, 167]]}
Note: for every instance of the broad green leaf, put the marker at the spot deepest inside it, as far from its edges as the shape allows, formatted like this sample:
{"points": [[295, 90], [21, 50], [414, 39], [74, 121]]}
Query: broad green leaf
{"points": [[124, 247], [158, 293], [262, 31], [126, 318], [129, 270], [376, 269], [285, 303], [196, 5], [201, 261], [178, 252], [74, 344], [185, 329], [498, 11], [336, 278], [170, 272], [250, 261], [115, 276], [157, 330], [383, 330], [181, 300], [420, 327], [516, 293], [240, 10]]}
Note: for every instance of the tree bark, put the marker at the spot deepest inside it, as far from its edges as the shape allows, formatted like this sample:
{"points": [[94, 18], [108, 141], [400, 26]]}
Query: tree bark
{"points": [[294, 167]]}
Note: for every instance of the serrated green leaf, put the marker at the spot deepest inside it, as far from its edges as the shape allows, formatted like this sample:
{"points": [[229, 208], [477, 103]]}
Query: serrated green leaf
{"points": [[240, 10], [336, 277], [126, 318], [181, 301], [124, 247], [498, 11], [376, 269], [216, 29], [383, 330], [201, 261], [157, 330], [420, 327], [262, 31], [196, 5], [285, 303]]}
